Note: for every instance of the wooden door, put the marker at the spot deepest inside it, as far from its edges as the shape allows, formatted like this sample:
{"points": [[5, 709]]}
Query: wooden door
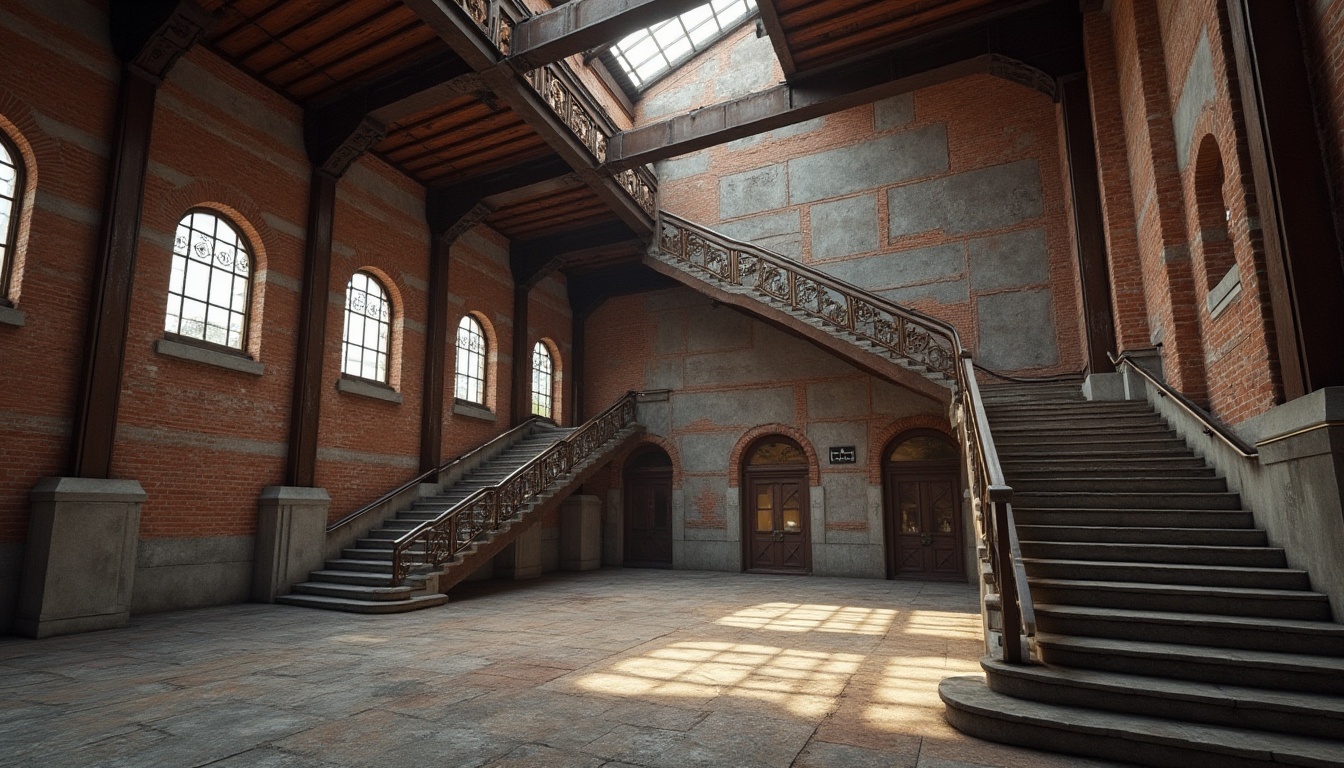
{"points": [[778, 537], [648, 519], [923, 508]]}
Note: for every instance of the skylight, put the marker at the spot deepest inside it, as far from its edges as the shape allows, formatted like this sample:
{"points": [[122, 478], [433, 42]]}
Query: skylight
{"points": [[650, 53]]}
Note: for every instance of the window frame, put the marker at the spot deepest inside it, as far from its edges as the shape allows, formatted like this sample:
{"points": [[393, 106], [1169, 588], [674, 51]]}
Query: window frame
{"points": [[482, 356], [549, 394], [10, 240], [244, 336], [390, 312]]}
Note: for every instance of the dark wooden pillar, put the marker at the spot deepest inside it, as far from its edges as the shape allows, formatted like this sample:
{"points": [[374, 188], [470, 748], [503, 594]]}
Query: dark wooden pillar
{"points": [[522, 357], [1089, 224], [436, 348], [149, 38], [1302, 254], [301, 468], [576, 336]]}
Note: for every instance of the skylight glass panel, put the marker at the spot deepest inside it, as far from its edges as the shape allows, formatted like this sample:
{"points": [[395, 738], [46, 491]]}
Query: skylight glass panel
{"points": [[649, 53]]}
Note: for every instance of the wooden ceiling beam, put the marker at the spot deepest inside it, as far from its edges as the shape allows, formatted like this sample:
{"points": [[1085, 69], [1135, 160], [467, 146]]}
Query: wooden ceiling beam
{"points": [[1032, 48], [580, 25], [452, 209], [773, 28], [465, 38], [533, 260], [590, 290]]}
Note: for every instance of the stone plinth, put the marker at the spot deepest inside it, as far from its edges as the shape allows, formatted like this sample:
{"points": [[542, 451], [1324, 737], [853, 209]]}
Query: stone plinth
{"points": [[79, 564], [521, 559], [291, 538], [581, 534]]}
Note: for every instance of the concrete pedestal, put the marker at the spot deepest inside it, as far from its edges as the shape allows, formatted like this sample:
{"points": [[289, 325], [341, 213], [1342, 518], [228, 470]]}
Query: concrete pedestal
{"points": [[79, 563], [291, 538], [581, 533], [522, 558]]}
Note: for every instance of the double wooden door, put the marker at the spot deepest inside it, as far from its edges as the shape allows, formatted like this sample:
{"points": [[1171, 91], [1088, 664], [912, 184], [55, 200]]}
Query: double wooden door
{"points": [[924, 521], [778, 539], [648, 519]]}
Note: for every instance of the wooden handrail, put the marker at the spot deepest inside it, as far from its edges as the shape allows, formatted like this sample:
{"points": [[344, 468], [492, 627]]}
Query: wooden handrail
{"points": [[424, 476], [457, 527], [904, 333], [1210, 424]]}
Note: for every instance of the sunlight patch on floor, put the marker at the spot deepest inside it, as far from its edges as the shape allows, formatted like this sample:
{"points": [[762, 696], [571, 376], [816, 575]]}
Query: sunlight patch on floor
{"points": [[797, 617], [953, 626], [905, 697]]}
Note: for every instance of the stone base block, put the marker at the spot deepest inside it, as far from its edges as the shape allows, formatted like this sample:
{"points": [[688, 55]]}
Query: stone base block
{"points": [[522, 558], [581, 534], [1105, 386], [291, 538], [79, 563]]}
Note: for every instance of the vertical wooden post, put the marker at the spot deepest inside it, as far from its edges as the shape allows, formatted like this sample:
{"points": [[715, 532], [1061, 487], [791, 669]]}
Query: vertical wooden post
{"points": [[522, 357], [301, 466], [1302, 258], [436, 348], [576, 366], [1089, 224]]}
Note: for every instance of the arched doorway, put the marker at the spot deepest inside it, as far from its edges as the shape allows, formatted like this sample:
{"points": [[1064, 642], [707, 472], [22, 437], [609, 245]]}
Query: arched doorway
{"points": [[648, 509], [923, 507], [776, 529]]}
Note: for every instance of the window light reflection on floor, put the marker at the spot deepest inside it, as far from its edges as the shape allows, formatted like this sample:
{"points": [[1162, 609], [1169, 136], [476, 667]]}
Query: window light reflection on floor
{"points": [[954, 626], [797, 617]]}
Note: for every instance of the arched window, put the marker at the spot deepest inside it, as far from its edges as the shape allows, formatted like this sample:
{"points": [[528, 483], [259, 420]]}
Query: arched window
{"points": [[471, 352], [11, 194], [543, 381], [368, 329], [211, 281]]}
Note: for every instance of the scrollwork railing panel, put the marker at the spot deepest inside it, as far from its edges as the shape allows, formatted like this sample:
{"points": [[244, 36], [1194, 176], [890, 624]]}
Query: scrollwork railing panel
{"points": [[435, 542]]}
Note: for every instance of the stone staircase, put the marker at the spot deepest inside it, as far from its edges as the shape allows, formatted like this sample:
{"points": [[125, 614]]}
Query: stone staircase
{"points": [[358, 581], [1169, 632]]}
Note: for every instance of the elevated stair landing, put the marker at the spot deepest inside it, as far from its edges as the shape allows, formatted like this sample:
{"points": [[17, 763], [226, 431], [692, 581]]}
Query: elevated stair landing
{"points": [[1169, 631]]}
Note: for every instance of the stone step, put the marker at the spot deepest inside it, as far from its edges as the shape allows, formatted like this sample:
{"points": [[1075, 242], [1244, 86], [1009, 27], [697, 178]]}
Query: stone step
{"points": [[1012, 422], [1036, 456], [1251, 633], [1225, 601], [1166, 500], [355, 553], [1023, 485], [363, 564], [1025, 471], [974, 709], [1070, 408], [1214, 537], [1293, 712], [1079, 433], [1138, 464], [373, 543], [1247, 577], [354, 591], [1132, 518], [1094, 446], [1249, 557], [363, 606], [1223, 666], [364, 578]]}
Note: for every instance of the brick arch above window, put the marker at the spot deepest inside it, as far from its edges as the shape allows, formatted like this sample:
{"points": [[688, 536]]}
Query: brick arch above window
{"points": [[880, 439], [667, 446], [37, 156], [764, 430]]}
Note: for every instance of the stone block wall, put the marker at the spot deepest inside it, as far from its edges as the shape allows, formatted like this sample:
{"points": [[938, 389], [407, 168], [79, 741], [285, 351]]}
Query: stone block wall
{"points": [[929, 199]]}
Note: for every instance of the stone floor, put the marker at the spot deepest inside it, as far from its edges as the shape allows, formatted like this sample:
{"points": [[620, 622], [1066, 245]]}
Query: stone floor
{"points": [[611, 668]]}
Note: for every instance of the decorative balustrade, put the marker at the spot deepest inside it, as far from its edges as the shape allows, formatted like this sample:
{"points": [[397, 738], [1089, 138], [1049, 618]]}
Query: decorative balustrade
{"points": [[906, 335], [435, 542], [493, 20], [902, 333]]}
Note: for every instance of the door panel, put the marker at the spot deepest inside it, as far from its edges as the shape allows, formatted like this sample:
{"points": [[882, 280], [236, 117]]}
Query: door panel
{"points": [[924, 520], [648, 520], [779, 540]]}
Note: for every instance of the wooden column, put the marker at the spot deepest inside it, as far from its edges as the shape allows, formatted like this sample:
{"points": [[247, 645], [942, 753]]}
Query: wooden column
{"points": [[149, 39], [1089, 224], [522, 357], [576, 336], [436, 348], [301, 466], [1302, 258]]}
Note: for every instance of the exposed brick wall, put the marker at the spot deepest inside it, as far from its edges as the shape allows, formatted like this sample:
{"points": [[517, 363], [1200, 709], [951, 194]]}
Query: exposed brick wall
{"points": [[1323, 28]]}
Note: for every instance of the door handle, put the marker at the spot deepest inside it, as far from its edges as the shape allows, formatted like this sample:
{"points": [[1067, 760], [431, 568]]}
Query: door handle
{"points": [[926, 538], [777, 535]]}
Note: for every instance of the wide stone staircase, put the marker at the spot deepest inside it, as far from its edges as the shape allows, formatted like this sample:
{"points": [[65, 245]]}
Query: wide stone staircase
{"points": [[1169, 631], [445, 536]]}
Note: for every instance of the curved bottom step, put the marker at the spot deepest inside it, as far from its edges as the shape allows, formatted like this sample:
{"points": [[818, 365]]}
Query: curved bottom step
{"points": [[363, 606], [974, 709]]}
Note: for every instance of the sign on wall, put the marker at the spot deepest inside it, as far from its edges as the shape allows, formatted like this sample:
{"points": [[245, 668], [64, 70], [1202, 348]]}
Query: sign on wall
{"points": [[842, 454]]}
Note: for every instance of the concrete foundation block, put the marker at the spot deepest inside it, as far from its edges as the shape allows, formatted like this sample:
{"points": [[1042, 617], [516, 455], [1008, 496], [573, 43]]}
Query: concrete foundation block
{"points": [[581, 534], [1105, 386], [79, 563], [522, 558], [291, 538]]}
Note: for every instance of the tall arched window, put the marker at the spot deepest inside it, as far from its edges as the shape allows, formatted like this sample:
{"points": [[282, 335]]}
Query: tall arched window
{"points": [[471, 351], [543, 381], [211, 281], [368, 328], [11, 195]]}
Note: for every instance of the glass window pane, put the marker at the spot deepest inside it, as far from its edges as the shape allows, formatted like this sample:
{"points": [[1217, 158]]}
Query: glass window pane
{"points": [[793, 520], [211, 270], [925, 448], [368, 328]]}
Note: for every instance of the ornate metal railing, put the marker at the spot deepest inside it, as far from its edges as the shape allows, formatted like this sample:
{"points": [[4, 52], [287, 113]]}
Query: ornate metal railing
{"points": [[435, 542], [905, 335]]}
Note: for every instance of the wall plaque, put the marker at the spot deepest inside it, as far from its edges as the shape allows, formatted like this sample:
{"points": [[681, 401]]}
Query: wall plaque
{"points": [[842, 454]]}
